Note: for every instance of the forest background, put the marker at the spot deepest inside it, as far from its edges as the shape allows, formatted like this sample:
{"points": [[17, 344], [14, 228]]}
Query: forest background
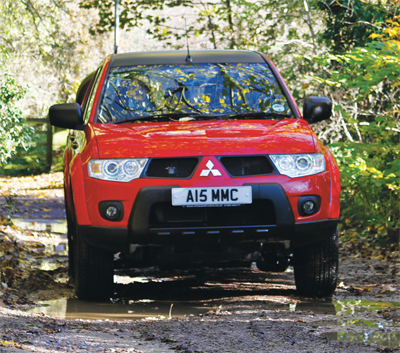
{"points": [[348, 50]]}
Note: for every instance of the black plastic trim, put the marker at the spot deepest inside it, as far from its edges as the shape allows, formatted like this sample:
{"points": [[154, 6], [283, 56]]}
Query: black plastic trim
{"points": [[147, 196], [144, 173], [169, 57], [306, 233], [274, 170], [108, 238], [301, 234], [139, 231]]}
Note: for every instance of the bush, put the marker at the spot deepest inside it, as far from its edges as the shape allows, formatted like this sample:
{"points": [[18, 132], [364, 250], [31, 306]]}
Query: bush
{"points": [[13, 130], [370, 175]]}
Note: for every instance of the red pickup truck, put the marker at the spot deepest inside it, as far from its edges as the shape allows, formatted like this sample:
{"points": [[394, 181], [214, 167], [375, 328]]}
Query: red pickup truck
{"points": [[197, 160]]}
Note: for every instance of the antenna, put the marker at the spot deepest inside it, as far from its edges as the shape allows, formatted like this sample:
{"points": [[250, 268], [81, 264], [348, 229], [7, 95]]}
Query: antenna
{"points": [[116, 28], [188, 57]]}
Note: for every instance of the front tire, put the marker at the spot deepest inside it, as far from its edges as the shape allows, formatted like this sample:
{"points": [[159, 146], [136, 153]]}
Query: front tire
{"points": [[93, 271], [316, 267]]}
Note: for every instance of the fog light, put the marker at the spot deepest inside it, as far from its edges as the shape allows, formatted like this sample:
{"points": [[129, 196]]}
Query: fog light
{"points": [[308, 207], [112, 212]]}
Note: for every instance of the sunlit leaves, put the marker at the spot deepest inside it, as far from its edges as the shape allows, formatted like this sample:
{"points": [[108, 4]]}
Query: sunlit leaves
{"points": [[13, 131], [370, 177], [363, 84]]}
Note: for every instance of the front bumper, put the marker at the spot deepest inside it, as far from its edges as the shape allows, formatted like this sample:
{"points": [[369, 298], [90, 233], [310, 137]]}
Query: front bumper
{"points": [[141, 231]]}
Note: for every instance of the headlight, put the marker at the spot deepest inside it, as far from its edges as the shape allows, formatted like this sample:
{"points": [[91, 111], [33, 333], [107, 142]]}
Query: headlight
{"points": [[123, 170], [298, 165]]}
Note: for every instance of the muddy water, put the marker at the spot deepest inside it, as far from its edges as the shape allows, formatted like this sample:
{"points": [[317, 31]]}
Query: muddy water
{"points": [[121, 310], [151, 294], [146, 308], [373, 332]]}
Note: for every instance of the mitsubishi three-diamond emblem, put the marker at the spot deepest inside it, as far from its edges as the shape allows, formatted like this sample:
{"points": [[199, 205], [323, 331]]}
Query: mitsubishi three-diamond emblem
{"points": [[210, 166]]}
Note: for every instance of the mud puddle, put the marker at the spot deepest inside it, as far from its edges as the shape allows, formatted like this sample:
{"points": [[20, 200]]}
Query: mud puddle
{"points": [[387, 339], [178, 296], [126, 309], [121, 310], [155, 294]]}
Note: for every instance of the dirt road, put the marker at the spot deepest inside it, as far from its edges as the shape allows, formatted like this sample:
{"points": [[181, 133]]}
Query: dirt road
{"points": [[223, 310]]}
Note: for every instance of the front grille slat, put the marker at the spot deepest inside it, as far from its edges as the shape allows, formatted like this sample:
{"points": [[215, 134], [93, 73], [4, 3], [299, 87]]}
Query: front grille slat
{"points": [[171, 167], [247, 165]]}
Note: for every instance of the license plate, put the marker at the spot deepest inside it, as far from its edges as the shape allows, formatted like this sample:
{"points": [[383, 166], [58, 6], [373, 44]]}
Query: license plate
{"points": [[236, 195]]}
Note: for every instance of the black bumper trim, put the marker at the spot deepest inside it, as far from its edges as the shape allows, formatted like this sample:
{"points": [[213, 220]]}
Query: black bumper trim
{"points": [[109, 238], [306, 233], [301, 234], [139, 228]]}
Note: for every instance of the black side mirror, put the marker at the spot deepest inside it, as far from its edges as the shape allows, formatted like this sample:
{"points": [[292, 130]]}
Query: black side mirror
{"points": [[317, 109], [68, 115]]}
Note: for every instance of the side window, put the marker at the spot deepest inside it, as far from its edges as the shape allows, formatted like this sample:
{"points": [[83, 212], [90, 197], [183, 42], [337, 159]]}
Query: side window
{"points": [[88, 104]]}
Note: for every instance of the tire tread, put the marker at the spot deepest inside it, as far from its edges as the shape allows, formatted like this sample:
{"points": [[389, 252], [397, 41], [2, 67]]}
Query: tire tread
{"points": [[93, 271], [316, 268]]}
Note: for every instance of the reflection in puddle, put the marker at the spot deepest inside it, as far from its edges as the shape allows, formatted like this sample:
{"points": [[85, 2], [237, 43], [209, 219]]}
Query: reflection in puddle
{"points": [[124, 310], [150, 293], [42, 225], [388, 339], [351, 307], [379, 333]]}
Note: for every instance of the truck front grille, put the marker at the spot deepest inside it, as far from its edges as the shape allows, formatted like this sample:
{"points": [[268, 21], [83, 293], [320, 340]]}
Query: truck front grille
{"points": [[247, 165], [171, 167]]}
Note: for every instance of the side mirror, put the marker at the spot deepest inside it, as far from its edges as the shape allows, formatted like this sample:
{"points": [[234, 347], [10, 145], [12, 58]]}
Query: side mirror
{"points": [[68, 115], [317, 109]]}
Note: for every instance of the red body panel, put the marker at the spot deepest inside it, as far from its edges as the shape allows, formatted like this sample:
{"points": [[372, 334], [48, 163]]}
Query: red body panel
{"points": [[204, 138], [78, 187]]}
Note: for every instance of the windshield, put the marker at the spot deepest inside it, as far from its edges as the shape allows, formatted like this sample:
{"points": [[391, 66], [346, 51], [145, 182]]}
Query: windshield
{"points": [[141, 92]]}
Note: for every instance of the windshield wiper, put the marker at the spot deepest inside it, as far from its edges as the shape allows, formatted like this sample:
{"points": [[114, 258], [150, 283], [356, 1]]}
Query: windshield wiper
{"points": [[172, 117], [260, 115]]}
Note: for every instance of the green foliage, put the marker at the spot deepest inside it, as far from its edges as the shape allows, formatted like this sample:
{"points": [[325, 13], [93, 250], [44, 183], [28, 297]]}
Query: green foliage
{"points": [[370, 178], [279, 28], [364, 86], [349, 23], [13, 130], [233, 24], [29, 159]]}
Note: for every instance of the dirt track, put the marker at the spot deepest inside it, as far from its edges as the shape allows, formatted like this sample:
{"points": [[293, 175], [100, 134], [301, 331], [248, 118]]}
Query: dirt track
{"points": [[247, 310]]}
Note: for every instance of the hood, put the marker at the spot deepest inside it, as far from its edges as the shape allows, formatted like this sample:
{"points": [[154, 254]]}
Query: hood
{"points": [[203, 138]]}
